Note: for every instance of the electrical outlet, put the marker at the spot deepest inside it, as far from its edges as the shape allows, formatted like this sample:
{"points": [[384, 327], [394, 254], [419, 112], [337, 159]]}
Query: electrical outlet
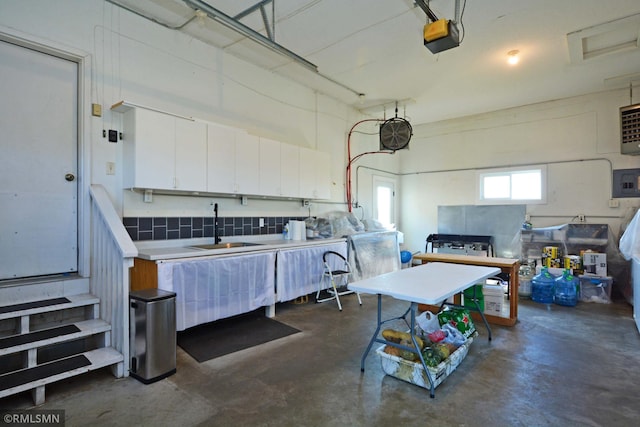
{"points": [[614, 203], [527, 217], [244, 201], [581, 218]]}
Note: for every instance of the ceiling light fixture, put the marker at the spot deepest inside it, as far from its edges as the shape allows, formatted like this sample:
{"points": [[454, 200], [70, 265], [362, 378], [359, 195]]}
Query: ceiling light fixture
{"points": [[513, 57]]}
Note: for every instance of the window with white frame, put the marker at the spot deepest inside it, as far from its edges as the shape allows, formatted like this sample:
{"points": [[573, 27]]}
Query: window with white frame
{"points": [[513, 185]]}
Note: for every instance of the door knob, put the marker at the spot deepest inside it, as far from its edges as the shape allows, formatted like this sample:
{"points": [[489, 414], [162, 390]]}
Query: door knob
{"points": [[69, 177]]}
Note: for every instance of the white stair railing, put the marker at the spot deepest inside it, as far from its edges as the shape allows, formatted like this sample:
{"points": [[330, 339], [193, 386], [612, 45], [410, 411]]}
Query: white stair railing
{"points": [[112, 254]]}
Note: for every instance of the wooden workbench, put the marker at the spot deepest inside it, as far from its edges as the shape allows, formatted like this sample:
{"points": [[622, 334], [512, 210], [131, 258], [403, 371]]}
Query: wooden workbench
{"points": [[506, 265]]}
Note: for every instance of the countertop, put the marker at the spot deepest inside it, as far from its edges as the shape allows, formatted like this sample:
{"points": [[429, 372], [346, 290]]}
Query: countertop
{"points": [[184, 248]]}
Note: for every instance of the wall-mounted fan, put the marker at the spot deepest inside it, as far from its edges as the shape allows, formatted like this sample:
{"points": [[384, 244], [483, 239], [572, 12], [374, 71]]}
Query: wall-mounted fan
{"points": [[395, 133]]}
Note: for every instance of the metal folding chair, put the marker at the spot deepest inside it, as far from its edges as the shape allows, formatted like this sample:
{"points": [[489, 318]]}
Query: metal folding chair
{"points": [[337, 272]]}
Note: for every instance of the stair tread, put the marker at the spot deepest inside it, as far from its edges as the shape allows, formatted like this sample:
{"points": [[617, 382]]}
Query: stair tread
{"points": [[43, 306], [22, 342], [29, 378]]}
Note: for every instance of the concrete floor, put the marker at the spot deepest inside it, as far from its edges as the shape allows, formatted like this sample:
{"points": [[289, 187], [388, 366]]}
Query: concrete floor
{"points": [[558, 366]]}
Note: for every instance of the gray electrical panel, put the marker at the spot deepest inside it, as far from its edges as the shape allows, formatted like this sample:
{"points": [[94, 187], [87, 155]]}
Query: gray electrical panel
{"points": [[626, 183], [630, 129]]}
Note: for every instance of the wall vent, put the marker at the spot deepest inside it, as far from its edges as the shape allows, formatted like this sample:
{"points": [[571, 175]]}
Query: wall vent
{"points": [[630, 129]]}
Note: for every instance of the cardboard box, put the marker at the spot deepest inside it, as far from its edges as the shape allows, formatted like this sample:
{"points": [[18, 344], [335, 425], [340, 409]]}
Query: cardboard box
{"points": [[493, 299], [595, 263]]}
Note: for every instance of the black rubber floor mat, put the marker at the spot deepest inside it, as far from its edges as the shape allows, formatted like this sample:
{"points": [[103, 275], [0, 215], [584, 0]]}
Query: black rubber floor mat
{"points": [[25, 376], [38, 336], [215, 339], [34, 304]]}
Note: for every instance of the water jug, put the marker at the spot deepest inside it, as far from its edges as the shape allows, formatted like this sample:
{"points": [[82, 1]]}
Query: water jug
{"points": [[542, 287], [566, 289]]}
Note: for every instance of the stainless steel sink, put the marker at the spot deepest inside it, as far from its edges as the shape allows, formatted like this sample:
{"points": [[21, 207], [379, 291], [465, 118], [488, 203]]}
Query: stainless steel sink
{"points": [[225, 245]]}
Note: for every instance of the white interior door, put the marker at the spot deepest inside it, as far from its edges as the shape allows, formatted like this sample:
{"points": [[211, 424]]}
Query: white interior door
{"points": [[38, 164], [384, 200]]}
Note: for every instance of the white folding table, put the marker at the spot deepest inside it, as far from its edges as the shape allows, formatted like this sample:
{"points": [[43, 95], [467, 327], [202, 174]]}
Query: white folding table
{"points": [[429, 283]]}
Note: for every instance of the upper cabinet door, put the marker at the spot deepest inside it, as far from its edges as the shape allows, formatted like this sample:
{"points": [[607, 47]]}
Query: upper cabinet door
{"points": [[221, 155], [323, 175], [191, 155], [270, 167], [247, 163], [290, 170], [307, 173], [149, 150], [314, 174]]}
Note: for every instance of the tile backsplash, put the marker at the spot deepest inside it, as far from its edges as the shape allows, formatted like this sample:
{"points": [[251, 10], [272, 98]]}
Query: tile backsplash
{"points": [[168, 228]]}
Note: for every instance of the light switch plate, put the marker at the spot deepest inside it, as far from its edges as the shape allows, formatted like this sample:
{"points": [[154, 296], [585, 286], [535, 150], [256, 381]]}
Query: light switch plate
{"points": [[96, 110]]}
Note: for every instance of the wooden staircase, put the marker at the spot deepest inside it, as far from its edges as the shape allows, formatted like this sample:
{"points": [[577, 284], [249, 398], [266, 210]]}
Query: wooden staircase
{"points": [[51, 337]]}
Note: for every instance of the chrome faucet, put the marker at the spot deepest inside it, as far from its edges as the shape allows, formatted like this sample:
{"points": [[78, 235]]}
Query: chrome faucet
{"points": [[216, 238]]}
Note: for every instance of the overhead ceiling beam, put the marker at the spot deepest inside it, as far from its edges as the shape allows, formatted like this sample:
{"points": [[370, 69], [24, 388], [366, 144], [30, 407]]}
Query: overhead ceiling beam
{"points": [[252, 9], [239, 27], [271, 29]]}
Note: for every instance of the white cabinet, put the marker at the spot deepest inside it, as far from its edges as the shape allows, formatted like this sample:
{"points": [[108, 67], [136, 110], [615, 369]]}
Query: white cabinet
{"points": [[289, 170], [314, 174], [270, 167], [221, 154], [247, 163], [163, 152], [279, 169], [232, 161], [190, 155]]}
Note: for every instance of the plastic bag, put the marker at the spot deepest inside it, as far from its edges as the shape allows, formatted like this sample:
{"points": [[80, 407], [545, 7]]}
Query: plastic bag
{"points": [[428, 322], [437, 336], [453, 335], [630, 240], [459, 318]]}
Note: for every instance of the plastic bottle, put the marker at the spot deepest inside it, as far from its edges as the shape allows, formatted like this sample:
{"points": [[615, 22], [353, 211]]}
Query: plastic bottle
{"points": [[542, 287], [524, 278], [566, 289]]}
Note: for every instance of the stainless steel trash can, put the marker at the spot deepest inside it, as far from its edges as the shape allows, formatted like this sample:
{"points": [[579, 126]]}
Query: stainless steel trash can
{"points": [[152, 323]]}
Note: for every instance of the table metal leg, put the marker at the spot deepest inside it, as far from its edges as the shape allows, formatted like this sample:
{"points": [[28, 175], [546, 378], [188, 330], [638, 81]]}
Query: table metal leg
{"points": [[432, 388], [375, 334], [416, 348]]}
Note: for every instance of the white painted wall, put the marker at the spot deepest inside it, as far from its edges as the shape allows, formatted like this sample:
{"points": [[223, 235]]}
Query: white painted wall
{"points": [[138, 61], [578, 138]]}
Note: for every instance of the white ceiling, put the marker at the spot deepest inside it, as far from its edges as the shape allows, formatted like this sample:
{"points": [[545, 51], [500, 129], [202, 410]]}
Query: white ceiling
{"points": [[375, 47]]}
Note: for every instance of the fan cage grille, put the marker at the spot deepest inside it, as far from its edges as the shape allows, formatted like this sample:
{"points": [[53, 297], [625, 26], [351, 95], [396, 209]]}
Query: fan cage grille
{"points": [[395, 134]]}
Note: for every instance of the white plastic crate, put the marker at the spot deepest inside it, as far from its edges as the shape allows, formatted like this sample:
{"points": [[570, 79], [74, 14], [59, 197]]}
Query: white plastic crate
{"points": [[595, 288], [413, 372]]}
